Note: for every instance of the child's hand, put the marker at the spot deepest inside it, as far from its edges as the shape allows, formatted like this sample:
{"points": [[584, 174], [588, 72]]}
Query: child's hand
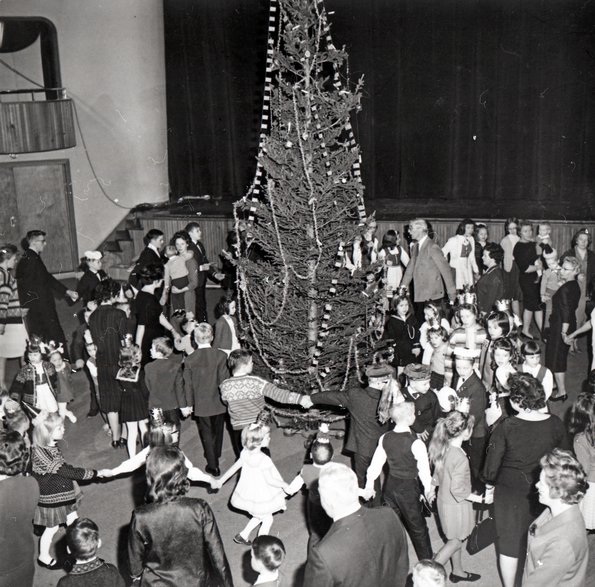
{"points": [[105, 473], [430, 495], [215, 484], [306, 402], [79, 364], [287, 489], [416, 352], [423, 435], [186, 412], [493, 414], [366, 494], [488, 498]]}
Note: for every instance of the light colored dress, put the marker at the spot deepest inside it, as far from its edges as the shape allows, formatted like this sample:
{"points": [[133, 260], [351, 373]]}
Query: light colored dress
{"points": [[254, 492], [454, 480], [460, 252]]}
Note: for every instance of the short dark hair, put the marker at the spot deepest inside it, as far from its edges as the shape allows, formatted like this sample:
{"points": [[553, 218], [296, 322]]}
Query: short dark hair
{"points": [[495, 251], [510, 221], [82, 537], [180, 234], [149, 274], [152, 235], [191, 226], [107, 290], [30, 236], [578, 233], [13, 453], [222, 306], [463, 223], [167, 474], [269, 550], [7, 251], [322, 452], [530, 348], [238, 358], [502, 319], [526, 391]]}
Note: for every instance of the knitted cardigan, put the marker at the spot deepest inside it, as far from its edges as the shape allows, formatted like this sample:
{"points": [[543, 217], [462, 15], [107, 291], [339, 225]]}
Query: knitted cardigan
{"points": [[10, 306], [23, 386], [55, 477]]}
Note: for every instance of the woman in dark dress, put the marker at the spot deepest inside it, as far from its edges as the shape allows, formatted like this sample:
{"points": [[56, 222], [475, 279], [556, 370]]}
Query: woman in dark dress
{"points": [[150, 320], [512, 466], [173, 539], [92, 276], [562, 321], [525, 255], [108, 327]]}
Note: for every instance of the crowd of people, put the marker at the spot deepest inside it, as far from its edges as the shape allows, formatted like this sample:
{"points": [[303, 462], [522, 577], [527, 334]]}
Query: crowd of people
{"points": [[454, 419]]}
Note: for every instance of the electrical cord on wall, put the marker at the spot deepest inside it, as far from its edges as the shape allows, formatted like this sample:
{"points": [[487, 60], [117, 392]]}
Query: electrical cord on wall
{"points": [[80, 131]]}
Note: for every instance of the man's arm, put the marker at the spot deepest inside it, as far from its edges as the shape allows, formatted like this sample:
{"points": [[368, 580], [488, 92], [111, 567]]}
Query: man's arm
{"points": [[444, 268]]}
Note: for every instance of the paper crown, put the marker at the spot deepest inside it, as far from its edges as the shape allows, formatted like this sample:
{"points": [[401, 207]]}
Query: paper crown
{"points": [[465, 353], [467, 296], [92, 255]]}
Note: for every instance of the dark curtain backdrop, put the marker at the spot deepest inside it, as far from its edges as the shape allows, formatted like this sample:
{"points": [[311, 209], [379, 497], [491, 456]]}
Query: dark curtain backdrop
{"points": [[482, 108]]}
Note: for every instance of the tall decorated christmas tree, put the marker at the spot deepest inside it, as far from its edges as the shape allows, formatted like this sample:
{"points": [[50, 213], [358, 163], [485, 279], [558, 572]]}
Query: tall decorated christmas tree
{"points": [[307, 313]]}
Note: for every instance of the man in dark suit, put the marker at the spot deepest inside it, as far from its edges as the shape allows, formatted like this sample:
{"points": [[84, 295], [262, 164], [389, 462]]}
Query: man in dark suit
{"points": [[204, 270], [490, 286], [37, 288], [364, 547], [204, 370], [150, 255], [428, 269]]}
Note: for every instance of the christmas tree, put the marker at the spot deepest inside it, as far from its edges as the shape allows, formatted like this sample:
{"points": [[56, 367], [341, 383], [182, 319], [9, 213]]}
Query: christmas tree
{"points": [[308, 315]]}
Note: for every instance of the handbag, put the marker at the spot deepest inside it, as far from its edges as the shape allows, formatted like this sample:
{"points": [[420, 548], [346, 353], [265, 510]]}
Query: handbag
{"points": [[482, 535]]}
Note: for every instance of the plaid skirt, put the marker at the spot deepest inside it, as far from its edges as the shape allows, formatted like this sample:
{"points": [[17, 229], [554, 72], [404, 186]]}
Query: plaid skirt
{"points": [[50, 517]]}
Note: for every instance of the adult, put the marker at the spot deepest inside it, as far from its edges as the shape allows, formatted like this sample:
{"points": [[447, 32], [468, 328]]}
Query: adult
{"points": [[13, 336], [183, 295], [109, 327], [490, 286], [581, 241], [512, 466], [92, 276], [558, 551], [226, 327], [37, 288], [589, 325], [364, 547], [18, 495], [204, 270], [428, 269], [481, 240], [526, 257], [562, 322], [151, 255], [365, 430], [460, 252], [512, 290], [204, 370], [173, 539], [150, 320]]}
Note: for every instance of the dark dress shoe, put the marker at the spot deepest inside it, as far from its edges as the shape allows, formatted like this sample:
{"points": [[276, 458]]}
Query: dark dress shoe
{"points": [[115, 444], [469, 577], [239, 539], [213, 471], [92, 413], [122, 442], [53, 565], [560, 398]]}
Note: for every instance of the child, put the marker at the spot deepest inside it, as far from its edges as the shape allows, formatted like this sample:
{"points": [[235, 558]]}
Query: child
{"points": [[267, 555], [186, 343], [35, 383], [83, 542], [394, 258], [427, 408], [321, 453], [438, 337], [226, 328], [429, 573], [92, 276], [433, 318], [17, 420], [543, 240], [244, 394], [134, 409], [401, 329], [407, 459], [64, 377], [453, 476], [59, 492], [531, 353], [469, 335], [550, 283], [163, 381], [260, 489], [498, 324], [582, 426], [503, 358]]}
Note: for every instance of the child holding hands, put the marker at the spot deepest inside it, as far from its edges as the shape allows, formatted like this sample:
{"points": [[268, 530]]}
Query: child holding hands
{"points": [[260, 489]]}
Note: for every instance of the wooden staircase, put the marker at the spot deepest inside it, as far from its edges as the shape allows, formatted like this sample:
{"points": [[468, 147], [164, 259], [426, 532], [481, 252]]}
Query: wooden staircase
{"points": [[122, 247]]}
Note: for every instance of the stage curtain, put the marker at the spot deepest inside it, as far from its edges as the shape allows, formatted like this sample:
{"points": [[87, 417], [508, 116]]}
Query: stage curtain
{"points": [[465, 102]]}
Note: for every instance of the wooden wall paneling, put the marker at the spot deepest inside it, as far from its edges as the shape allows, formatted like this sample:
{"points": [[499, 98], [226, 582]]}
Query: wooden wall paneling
{"points": [[44, 199], [10, 230]]}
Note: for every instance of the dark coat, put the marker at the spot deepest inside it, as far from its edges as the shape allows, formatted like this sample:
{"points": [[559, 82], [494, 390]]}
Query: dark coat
{"points": [[365, 549], [204, 370], [37, 288], [88, 282], [490, 288], [473, 389], [177, 543], [147, 257], [96, 573]]}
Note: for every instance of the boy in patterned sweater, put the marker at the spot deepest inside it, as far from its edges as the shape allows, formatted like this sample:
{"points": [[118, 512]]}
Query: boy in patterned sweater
{"points": [[244, 394]]}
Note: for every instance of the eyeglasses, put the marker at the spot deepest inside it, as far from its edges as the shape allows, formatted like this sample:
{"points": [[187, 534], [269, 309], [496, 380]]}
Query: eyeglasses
{"points": [[532, 354]]}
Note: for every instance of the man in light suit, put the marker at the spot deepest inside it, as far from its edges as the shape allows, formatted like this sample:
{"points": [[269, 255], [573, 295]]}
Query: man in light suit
{"points": [[428, 268], [364, 547]]}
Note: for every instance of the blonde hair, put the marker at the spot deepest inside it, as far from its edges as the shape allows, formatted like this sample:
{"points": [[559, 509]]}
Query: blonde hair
{"points": [[253, 435], [203, 333], [44, 425], [452, 426], [401, 411]]}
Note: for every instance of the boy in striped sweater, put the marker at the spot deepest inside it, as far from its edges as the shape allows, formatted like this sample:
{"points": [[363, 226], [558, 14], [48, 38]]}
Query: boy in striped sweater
{"points": [[244, 394]]}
